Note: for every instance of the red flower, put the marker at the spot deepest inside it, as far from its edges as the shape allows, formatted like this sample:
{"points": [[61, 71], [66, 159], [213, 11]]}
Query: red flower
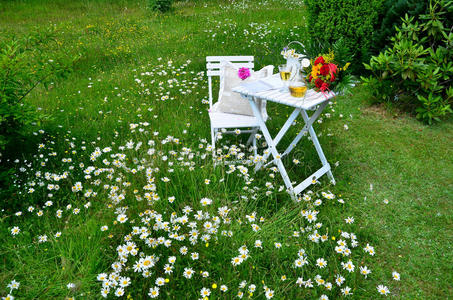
{"points": [[318, 83], [324, 87], [333, 71], [324, 69], [332, 78], [319, 60], [310, 78]]}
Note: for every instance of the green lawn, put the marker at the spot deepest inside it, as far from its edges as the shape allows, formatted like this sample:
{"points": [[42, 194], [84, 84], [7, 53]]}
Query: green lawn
{"points": [[381, 154]]}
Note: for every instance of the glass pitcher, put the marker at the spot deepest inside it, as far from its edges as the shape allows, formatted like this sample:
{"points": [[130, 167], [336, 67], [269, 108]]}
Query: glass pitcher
{"points": [[295, 61], [297, 84]]}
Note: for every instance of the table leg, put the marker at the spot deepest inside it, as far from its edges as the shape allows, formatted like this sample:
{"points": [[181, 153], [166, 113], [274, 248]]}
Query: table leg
{"points": [[272, 146], [314, 138], [279, 136], [308, 124]]}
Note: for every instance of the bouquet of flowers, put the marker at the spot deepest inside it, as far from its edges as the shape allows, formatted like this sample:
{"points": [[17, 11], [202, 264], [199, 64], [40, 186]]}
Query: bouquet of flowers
{"points": [[325, 75]]}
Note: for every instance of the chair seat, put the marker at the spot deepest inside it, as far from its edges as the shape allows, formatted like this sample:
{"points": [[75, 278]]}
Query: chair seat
{"points": [[225, 120]]}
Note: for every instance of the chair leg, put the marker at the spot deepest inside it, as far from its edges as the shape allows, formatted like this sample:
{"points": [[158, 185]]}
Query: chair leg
{"points": [[252, 139], [249, 141], [252, 136], [254, 146], [213, 138]]}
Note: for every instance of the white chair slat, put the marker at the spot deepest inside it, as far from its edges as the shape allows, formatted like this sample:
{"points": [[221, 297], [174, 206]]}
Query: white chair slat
{"points": [[229, 58], [217, 66], [213, 73]]}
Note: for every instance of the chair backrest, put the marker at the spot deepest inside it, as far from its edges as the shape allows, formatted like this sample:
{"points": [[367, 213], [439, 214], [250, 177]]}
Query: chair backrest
{"points": [[214, 63]]}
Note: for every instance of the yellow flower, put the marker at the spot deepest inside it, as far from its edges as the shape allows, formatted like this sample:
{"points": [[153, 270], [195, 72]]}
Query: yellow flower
{"points": [[315, 71], [328, 58], [214, 286]]}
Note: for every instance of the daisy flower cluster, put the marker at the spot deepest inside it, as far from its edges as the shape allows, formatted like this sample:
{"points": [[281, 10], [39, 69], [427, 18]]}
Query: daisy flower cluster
{"points": [[13, 285], [263, 4], [168, 243], [167, 81], [290, 53], [258, 35]]}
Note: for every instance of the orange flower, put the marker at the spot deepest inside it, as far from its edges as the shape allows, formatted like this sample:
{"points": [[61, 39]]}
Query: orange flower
{"points": [[315, 71]]}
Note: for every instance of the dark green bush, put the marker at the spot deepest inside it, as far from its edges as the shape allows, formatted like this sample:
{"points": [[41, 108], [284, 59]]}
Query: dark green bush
{"points": [[392, 13], [354, 21], [417, 70], [160, 5]]}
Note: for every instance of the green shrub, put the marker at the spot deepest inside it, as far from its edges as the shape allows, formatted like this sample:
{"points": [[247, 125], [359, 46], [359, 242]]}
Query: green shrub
{"points": [[24, 65], [160, 5], [392, 14], [351, 20], [417, 70]]}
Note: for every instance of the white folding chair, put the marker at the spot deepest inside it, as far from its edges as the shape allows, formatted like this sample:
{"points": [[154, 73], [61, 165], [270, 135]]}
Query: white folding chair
{"points": [[220, 120]]}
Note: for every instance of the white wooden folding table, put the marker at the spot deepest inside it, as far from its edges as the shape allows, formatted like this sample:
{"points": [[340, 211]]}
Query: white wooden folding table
{"points": [[312, 101]]}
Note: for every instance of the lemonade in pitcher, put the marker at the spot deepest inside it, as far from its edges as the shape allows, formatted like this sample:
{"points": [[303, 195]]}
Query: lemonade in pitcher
{"points": [[297, 91], [297, 86]]}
